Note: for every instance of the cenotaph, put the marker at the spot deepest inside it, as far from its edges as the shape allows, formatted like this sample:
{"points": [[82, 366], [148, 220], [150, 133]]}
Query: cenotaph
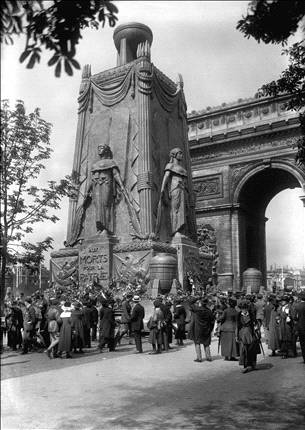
{"points": [[133, 208]]}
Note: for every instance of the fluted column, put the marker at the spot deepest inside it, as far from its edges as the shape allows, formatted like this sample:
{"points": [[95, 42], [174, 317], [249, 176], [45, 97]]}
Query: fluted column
{"points": [[78, 150], [144, 81]]}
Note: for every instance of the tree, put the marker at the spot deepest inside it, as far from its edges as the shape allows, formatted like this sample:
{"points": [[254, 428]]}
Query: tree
{"points": [[274, 22], [55, 26], [25, 146]]}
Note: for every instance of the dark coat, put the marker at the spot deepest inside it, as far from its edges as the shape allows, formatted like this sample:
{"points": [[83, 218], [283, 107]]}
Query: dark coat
{"points": [[87, 316], [137, 316], [300, 316], [267, 314], [168, 318], [180, 317], [29, 319], [202, 324], [77, 325], [107, 323], [65, 334], [229, 320], [93, 316], [126, 312]]}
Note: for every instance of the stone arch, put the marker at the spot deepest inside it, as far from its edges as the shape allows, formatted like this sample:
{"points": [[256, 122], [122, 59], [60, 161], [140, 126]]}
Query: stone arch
{"points": [[285, 165], [251, 196]]}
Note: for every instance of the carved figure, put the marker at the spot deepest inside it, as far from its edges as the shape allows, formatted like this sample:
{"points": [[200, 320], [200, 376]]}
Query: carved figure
{"points": [[105, 175], [106, 180], [206, 238], [175, 180], [102, 191]]}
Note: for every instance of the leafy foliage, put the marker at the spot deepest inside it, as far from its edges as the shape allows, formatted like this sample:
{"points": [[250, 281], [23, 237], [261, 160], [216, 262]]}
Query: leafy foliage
{"points": [[272, 21], [55, 26], [292, 81], [25, 147]]}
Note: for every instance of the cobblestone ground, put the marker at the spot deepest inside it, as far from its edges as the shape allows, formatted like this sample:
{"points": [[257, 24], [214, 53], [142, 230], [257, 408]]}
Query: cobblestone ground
{"points": [[123, 390]]}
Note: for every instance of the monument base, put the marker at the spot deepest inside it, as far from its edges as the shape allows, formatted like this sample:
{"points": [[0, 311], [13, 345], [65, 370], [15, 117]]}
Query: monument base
{"points": [[64, 266], [225, 281], [96, 260], [131, 261]]}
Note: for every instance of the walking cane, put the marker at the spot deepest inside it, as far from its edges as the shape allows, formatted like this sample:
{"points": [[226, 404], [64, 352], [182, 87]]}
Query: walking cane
{"points": [[218, 343]]}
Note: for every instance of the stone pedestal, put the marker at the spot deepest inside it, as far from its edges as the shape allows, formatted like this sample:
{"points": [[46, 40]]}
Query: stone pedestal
{"points": [[225, 281], [95, 260], [131, 261]]}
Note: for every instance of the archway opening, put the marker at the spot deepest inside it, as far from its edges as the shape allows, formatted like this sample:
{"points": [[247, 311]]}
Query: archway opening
{"points": [[254, 197], [285, 231]]}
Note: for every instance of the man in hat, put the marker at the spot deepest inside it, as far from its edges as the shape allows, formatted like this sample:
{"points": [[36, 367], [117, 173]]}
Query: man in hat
{"points": [[125, 318], [137, 316], [300, 321]]}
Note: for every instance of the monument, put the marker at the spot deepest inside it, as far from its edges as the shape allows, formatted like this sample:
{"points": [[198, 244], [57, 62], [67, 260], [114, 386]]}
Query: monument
{"points": [[133, 206]]}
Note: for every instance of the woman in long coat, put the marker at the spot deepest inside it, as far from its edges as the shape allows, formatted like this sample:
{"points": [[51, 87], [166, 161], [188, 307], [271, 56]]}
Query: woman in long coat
{"points": [[228, 331], [286, 326], [201, 328], [179, 318], [155, 328], [77, 325], [247, 336], [107, 326], [274, 327], [65, 334]]}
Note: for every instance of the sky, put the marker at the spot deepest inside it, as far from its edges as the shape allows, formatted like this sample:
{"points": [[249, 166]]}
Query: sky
{"points": [[218, 64]]}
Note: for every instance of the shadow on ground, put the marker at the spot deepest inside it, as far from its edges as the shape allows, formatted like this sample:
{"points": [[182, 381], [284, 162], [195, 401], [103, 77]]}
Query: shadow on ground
{"points": [[230, 401]]}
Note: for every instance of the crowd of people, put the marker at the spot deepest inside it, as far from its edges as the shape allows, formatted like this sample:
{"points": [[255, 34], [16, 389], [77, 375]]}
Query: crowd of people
{"points": [[62, 327]]}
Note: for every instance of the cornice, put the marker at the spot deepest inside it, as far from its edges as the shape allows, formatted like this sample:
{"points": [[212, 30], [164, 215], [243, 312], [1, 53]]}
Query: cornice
{"points": [[235, 106], [277, 128]]}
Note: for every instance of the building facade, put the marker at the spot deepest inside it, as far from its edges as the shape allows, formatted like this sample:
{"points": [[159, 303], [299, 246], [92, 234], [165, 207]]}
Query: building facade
{"points": [[242, 154]]}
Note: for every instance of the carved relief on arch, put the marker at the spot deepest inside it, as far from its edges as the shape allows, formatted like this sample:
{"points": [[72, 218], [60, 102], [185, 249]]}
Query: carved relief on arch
{"points": [[237, 171], [208, 187]]}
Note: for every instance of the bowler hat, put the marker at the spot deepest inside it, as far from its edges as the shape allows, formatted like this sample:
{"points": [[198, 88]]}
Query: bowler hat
{"points": [[136, 299]]}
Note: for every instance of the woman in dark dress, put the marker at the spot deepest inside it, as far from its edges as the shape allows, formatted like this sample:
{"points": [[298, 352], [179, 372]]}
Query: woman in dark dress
{"points": [[228, 331], [107, 326], [65, 334], [286, 326], [179, 318], [248, 338], [77, 326], [201, 328]]}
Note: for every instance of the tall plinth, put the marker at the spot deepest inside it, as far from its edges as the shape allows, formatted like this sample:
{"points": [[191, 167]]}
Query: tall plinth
{"points": [[132, 196]]}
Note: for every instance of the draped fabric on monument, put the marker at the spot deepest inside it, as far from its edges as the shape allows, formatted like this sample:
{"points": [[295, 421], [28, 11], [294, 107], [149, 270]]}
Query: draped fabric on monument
{"points": [[112, 93]]}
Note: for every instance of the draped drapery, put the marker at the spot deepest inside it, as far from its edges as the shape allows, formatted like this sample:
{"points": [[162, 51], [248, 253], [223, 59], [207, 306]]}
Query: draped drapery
{"points": [[111, 93]]}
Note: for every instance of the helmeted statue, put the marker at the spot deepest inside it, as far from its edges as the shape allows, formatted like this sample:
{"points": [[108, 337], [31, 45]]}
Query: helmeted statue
{"points": [[105, 177], [105, 180], [175, 179]]}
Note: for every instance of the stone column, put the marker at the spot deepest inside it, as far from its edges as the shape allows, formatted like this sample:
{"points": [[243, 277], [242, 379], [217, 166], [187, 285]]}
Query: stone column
{"points": [[78, 147], [145, 76], [236, 278]]}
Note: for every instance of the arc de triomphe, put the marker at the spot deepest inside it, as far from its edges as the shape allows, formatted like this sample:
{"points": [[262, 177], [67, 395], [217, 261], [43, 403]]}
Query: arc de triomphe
{"points": [[242, 154]]}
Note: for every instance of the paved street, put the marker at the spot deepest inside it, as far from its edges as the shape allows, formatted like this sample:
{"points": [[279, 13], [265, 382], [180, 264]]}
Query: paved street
{"points": [[123, 390]]}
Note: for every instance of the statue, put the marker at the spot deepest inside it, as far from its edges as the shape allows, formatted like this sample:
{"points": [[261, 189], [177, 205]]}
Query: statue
{"points": [[175, 179], [105, 177], [102, 191]]}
